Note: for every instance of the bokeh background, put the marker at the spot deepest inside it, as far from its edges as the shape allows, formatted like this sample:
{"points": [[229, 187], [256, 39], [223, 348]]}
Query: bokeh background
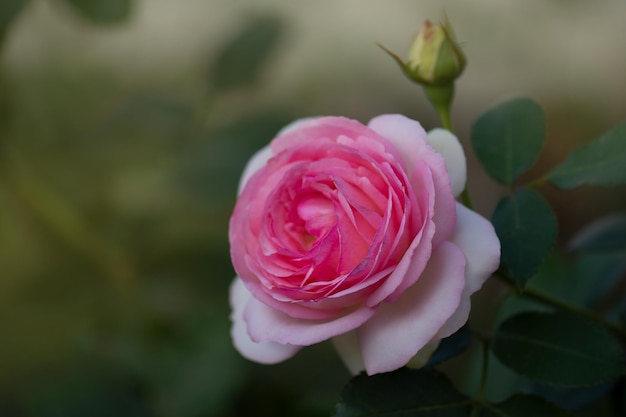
{"points": [[124, 126]]}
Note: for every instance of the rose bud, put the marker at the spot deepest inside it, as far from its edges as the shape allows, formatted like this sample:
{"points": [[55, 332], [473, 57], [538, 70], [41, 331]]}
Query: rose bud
{"points": [[351, 233], [435, 57]]}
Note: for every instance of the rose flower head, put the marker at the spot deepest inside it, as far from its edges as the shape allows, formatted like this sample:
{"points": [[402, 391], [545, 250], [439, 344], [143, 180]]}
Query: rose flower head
{"points": [[352, 233]]}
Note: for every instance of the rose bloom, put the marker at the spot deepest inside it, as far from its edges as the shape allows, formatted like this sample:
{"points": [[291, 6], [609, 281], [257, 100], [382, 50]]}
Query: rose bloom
{"points": [[349, 232]]}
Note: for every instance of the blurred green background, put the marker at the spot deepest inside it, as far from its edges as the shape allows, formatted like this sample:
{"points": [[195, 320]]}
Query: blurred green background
{"points": [[124, 127]]}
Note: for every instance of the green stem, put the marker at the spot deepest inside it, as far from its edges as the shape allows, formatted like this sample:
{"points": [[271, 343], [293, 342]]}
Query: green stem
{"points": [[444, 116], [549, 300], [537, 183], [478, 402], [443, 110]]}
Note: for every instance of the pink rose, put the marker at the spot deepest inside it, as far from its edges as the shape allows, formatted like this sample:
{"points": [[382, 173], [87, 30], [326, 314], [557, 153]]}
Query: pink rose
{"points": [[351, 233]]}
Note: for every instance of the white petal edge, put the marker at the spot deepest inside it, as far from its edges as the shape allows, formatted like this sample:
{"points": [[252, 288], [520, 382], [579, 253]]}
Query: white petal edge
{"points": [[447, 145], [399, 330], [477, 239], [423, 356], [407, 135], [347, 346], [263, 352], [258, 161], [296, 124], [268, 324]]}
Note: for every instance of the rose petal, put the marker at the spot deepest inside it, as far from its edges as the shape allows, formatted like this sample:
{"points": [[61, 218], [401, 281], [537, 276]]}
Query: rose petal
{"points": [[258, 160], [476, 238], [409, 138], [347, 346], [448, 146], [267, 324], [400, 329], [336, 130], [263, 352], [296, 124], [423, 355]]}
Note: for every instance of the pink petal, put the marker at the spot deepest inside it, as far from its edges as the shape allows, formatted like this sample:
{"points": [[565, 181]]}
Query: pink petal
{"points": [[476, 238], [400, 329], [409, 139], [418, 253], [315, 128], [263, 352], [448, 146], [267, 324]]}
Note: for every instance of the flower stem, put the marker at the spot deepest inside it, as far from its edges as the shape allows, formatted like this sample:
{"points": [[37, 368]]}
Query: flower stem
{"points": [[478, 402], [446, 122], [549, 300], [537, 183], [444, 116]]}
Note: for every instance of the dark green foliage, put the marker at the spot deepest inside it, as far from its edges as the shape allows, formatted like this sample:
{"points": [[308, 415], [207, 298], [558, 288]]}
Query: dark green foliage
{"points": [[522, 406], [402, 393], [527, 229], [599, 162], [242, 60], [103, 12], [508, 138], [9, 10], [558, 349], [572, 398]]}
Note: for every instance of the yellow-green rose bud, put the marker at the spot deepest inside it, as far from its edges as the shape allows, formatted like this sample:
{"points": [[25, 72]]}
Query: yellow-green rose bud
{"points": [[435, 58], [435, 61]]}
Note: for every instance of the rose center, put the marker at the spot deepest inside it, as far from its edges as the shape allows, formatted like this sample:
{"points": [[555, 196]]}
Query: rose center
{"points": [[317, 213]]}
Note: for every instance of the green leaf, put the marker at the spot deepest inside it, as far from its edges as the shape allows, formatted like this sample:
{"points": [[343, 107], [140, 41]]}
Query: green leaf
{"points": [[9, 10], [402, 393], [558, 349], [242, 60], [572, 398], [603, 235], [595, 279], [527, 229], [102, 11], [600, 162], [508, 138], [522, 406]]}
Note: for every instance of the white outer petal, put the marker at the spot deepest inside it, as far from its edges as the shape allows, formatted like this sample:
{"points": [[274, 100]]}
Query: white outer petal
{"points": [[478, 241], [263, 352], [423, 356], [407, 136], [448, 146], [347, 346], [399, 330], [258, 161], [295, 125]]}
